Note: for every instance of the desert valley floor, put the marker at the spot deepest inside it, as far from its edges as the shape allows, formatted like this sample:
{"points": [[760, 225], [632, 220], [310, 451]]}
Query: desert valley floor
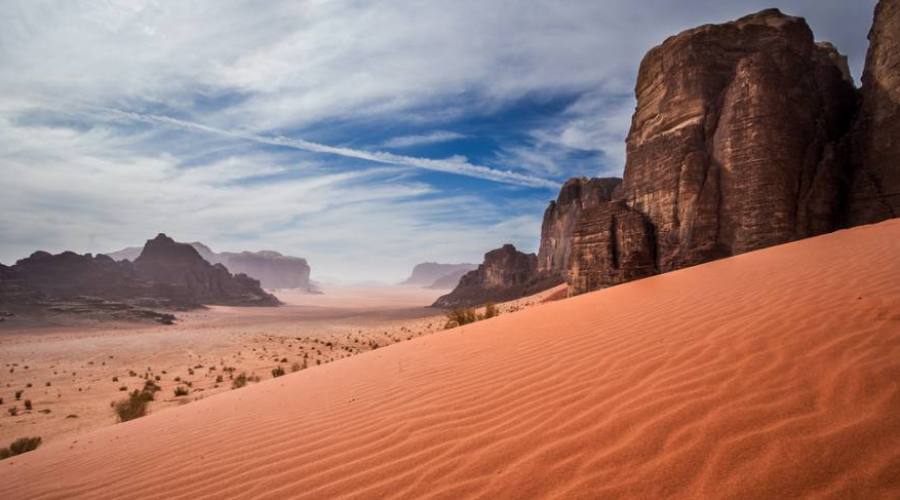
{"points": [[772, 374]]}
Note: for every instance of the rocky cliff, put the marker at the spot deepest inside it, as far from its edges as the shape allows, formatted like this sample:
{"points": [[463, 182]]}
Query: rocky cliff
{"points": [[875, 193], [576, 196], [738, 138], [506, 274]]}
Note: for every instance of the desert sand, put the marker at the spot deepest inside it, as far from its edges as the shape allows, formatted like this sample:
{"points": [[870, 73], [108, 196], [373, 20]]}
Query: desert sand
{"points": [[772, 374]]}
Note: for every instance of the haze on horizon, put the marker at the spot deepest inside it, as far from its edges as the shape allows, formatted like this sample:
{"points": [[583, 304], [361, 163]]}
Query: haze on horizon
{"points": [[363, 137]]}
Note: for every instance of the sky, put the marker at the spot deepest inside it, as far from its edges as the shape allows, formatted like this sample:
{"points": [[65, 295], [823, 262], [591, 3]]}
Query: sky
{"points": [[363, 136]]}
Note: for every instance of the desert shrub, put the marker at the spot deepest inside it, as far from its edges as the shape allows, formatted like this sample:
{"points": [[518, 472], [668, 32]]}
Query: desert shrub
{"points": [[218, 379], [181, 391], [115, 379], [28, 404], [277, 371], [460, 317], [239, 381], [490, 310], [294, 368], [123, 388], [18, 395], [134, 406], [253, 378], [13, 411], [19, 446]]}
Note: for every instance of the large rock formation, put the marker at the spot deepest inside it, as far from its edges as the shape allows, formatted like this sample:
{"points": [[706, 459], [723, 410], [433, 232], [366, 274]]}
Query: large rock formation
{"points": [[435, 275], [272, 269], [166, 261], [737, 140], [576, 196], [876, 146], [506, 274]]}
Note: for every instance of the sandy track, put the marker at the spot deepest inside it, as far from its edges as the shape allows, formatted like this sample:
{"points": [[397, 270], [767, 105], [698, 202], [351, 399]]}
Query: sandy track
{"points": [[771, 374]]}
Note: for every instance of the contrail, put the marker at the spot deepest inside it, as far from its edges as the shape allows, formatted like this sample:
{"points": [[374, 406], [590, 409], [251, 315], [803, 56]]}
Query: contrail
{"points": [[453, 165]]}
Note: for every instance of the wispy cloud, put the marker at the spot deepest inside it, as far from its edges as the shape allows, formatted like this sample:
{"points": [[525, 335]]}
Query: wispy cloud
{"points": [[453, 165], [435, 137]]}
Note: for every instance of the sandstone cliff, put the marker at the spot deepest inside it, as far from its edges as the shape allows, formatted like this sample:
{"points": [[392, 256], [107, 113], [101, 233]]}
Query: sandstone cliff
{"points": [[576, 196], [506, 274], [737, 142], [876, 146]]}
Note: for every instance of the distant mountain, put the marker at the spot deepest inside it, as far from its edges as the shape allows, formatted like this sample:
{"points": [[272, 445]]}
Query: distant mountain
{"points": [[430, 274], [449, 281], [272, 269], [165, 275]]}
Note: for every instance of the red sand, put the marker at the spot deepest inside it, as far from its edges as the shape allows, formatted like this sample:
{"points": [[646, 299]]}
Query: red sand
{"points": [[770, 375]]}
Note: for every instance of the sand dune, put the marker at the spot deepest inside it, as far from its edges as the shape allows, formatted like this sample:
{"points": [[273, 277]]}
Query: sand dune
{"points": [[772, 374]]}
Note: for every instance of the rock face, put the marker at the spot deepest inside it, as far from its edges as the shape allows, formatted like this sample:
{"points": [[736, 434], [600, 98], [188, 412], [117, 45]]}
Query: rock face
{"points": [[737, 142], [576, 196], [433, 274], [165, 261], [875, 194], [506, 274], [611, 244]]}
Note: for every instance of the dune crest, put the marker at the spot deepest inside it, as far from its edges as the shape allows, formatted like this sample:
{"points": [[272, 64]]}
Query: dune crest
{"points": [[770, 374]]}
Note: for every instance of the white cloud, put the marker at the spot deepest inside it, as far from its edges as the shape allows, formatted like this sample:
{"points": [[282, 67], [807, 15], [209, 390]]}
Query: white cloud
{"points": [[435, 137]]}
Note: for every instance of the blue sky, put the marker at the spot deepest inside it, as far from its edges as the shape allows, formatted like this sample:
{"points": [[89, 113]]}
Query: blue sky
{"points": [[364, 136]]}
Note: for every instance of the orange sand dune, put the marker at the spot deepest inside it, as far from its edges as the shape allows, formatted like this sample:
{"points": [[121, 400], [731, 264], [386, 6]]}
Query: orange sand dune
{"points": [[773, 374]]}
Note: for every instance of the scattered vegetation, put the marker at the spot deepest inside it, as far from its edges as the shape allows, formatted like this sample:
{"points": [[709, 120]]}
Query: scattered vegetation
{"points": [[464, 316], [19, 446], [28, 404], [181, 391], [277, 372]]}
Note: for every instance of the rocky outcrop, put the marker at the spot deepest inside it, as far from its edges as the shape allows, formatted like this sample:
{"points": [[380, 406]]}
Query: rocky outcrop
{"points": [[166, 261], [506, 274], [737, 142], [611, 244], [576, 196], [272, 269], [875, 194], [434, 275]]}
